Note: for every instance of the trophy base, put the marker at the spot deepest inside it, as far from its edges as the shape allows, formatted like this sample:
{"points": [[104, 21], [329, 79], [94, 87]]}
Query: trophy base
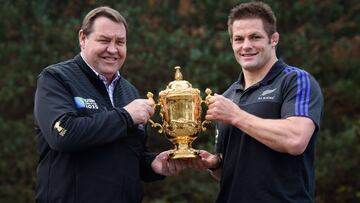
{"points": [[184, 153]]}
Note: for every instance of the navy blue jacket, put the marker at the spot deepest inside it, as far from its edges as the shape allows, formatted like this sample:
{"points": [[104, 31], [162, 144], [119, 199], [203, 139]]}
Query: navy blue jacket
{"points": [[89, 150]]}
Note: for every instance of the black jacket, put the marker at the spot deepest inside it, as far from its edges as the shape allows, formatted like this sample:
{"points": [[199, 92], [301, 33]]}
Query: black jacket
{"points": [[89, 150]]}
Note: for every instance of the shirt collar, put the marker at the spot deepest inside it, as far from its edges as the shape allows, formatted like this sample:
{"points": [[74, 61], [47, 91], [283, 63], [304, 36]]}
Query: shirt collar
{"points": [[277, 68], [274, 71], [239, 84]]}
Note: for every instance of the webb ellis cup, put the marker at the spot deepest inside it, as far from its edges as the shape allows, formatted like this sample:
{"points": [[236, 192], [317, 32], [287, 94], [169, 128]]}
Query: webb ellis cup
{"points": [[180, 110]]}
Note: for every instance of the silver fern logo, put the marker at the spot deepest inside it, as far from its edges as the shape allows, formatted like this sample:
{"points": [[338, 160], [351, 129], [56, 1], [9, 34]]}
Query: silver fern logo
{"points": [[265, 94]]}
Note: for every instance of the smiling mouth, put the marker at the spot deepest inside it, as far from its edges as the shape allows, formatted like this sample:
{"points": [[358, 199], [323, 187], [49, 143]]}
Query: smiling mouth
{"points": [[248, 54], [109, 58]]}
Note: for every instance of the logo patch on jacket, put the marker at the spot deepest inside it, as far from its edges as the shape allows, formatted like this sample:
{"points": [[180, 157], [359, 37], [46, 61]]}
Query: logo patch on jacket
{"points": [[267, 94], [60, 129], [81, 103]]}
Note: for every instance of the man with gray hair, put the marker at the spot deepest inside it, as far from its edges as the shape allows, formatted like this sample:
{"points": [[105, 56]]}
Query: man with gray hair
{"points": [[90, 123]]}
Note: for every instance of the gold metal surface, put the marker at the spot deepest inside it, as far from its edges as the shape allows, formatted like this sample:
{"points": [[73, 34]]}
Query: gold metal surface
{"points": [[180, 110]]}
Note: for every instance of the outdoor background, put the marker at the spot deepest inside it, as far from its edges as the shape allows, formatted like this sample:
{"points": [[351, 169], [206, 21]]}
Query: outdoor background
{"points": [[321, 36]]}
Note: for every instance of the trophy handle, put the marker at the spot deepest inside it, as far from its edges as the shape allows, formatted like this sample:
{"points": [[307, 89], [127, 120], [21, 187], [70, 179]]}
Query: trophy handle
{"points": [[208, 92], [153, 124], [206, 101]]}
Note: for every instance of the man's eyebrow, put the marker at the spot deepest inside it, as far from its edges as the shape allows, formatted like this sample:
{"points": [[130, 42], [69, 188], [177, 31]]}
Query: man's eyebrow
{"points": [[110, 37]]}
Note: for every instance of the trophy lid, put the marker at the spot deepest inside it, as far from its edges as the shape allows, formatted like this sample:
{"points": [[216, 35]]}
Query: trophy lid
{"points": [[179, 86], [179, 83]]}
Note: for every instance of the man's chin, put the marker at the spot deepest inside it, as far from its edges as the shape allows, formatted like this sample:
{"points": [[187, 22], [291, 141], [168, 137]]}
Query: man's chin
{"points": [[111, 67], [248, 66]]}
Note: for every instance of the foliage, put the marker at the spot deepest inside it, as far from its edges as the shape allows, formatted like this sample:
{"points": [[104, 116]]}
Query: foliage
{"points": [[320, 36], [340, 165]]}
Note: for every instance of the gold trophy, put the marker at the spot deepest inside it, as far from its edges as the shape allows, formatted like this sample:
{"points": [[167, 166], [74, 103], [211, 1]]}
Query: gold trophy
{"points": [[180, 110]]}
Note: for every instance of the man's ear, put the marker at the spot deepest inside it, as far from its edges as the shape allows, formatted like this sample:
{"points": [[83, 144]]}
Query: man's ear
{"points": [[275, 39], [82, 39]]}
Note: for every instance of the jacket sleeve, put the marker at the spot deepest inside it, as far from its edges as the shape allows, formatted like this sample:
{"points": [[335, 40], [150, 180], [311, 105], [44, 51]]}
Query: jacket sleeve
{"points": [[147, 174], [62, 126]]}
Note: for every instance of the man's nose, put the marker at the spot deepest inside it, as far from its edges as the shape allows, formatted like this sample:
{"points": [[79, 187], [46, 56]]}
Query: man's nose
{"points": [[112, 47], [247, 43]]}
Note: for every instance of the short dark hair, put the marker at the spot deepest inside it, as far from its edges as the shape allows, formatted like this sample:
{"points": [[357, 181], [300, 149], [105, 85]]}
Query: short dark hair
{"points": [[253, 10], [104, 11]]}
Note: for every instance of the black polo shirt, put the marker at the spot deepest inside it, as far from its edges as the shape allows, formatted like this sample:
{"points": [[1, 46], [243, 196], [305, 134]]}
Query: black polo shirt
{"points": [[253, 172]]}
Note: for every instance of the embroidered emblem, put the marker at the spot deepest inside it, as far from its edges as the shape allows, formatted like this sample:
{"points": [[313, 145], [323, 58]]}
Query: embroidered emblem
{"points": [[265, 94], [81, 103], [60, 129]]}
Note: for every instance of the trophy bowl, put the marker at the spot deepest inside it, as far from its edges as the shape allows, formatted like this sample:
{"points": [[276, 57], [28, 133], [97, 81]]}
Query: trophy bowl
{"points": [[180, 110]]}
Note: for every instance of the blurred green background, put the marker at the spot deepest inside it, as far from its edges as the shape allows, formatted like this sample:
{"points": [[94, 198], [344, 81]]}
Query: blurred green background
{"points": [[321, 36]]}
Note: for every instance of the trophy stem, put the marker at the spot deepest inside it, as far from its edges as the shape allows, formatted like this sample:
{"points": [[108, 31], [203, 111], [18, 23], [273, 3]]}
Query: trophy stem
{"points": [[184, 150]]}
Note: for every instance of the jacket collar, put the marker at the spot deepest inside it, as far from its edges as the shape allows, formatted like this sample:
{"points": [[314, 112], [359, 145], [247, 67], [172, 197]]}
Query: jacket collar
{"points": [[89, 70]]}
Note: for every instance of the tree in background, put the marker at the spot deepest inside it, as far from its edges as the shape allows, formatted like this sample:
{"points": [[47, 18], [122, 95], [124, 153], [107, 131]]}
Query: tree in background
{"points": [[319, 36]]}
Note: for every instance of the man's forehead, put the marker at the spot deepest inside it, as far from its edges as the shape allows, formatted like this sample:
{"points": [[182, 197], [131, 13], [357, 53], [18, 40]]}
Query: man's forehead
{"points": [[248, 22], [107, 26], [109, 35], [249, 26]]}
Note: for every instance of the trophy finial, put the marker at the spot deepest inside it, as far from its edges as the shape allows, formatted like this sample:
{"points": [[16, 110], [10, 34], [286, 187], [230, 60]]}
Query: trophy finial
{"points": [[178, 74]]}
